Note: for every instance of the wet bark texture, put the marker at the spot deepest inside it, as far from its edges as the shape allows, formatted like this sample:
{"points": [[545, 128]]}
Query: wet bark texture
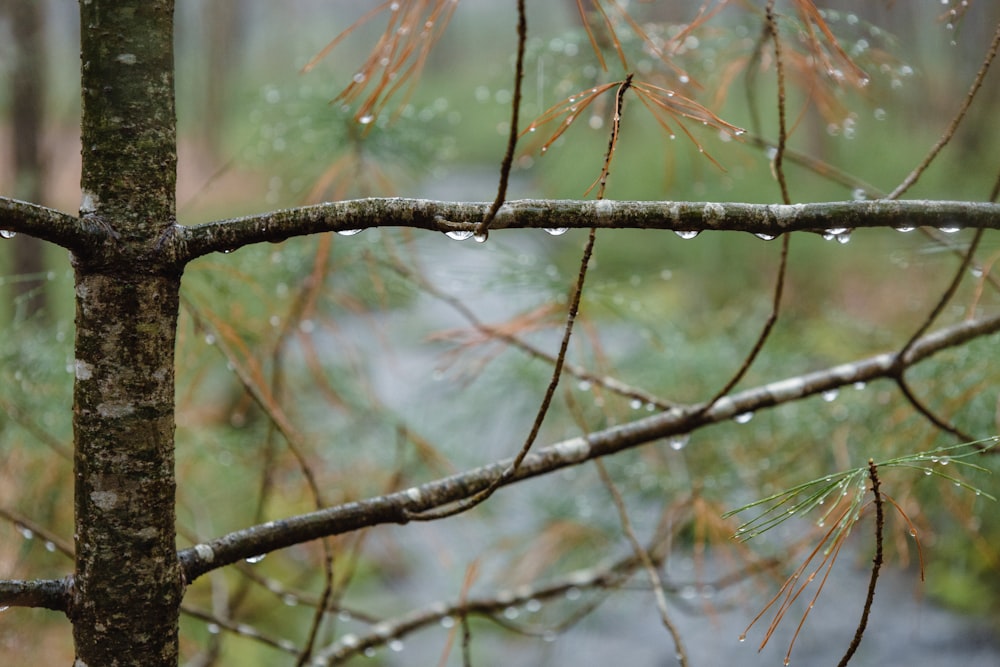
{"points": [[127, 585]]}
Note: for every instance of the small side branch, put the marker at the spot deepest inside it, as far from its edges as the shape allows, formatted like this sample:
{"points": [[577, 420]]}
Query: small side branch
{"points": [[398, 507], [39, 593], [42, 223], [876, 566], [762, 219]]}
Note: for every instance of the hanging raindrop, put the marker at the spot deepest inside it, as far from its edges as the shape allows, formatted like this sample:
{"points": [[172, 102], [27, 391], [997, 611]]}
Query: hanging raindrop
{"points": [[678, 442], [557, 231], [743, 417], [459, 234], [349, 232], [7, 234], [687, 233]]}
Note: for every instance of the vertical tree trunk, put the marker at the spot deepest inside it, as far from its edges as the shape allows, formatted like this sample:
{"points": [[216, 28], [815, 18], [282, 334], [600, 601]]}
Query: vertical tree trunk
{"points": [[127, 586]]}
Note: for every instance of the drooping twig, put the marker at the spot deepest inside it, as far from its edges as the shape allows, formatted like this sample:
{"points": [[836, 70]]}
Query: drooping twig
{"points": [[876, 565], [515, 109]]}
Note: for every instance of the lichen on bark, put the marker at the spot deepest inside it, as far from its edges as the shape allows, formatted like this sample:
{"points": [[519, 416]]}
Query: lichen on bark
{"points": [[127, 585]]}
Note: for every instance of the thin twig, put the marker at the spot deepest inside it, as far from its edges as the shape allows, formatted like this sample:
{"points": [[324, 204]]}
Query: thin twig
{"points": [[779, 155], [919, 406], [876, 565], [574, 308], [946, 297], [640, 552], [950, 130], [779, 286], [508, 159]]}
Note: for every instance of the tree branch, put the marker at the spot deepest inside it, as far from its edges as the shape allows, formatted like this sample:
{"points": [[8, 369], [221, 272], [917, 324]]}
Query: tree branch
{"points": [[45, 593], [397, 507], [769, 219], [42, 223]]}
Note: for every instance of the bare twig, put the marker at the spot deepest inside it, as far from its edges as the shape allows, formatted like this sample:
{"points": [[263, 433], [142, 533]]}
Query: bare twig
{"points": [[876, 565], [515, 109], [398, 507], [953, 125], [647, 562], [543, 408]]}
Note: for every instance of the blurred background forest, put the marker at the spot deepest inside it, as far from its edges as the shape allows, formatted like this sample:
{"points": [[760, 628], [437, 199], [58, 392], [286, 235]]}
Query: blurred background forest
{"points": [[364, 344]]}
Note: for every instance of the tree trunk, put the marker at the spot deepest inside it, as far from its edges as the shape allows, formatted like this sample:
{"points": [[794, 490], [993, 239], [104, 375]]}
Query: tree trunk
{"points": [[127, 586], [27, 104]]}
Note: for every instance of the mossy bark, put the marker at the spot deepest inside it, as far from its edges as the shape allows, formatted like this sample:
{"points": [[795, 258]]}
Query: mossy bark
{"points": [[127, 585]]}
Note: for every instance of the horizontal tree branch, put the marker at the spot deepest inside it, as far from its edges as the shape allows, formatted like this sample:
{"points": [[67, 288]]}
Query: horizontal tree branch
{"points": [[43, 223], [44, 593], [398, 507], [764, 219]]}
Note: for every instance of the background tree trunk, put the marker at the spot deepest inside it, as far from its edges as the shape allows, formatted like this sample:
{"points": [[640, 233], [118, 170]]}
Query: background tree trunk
{"points": [[127, 588], [27, 100]]}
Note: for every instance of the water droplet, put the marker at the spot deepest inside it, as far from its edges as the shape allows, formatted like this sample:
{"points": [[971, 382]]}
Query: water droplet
{"points": [[944, 460], [349, 232], [743, 637], [395, 646], [557, 231], [511, 613], [50, 546], [950, 230], [447, 622], [860, 384], [532, 606], [687, 233], [743, 417], [904, 229], [256, 559], [480, 238], [290, 600], [583, 385], [459, 234], [765, 237], [226, 251], [830, 395], [573, 593], [209, 339], [25, 532], [7, 234], [213, 628], [359, 77], [366, 119], [844, 238], [678, 442]]}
